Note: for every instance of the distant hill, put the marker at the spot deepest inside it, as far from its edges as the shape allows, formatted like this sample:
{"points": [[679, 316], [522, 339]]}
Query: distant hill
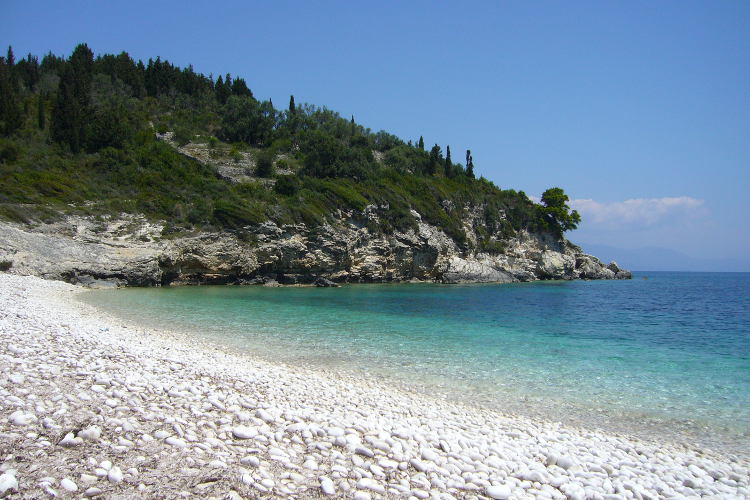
{"points": [[663, 259]]}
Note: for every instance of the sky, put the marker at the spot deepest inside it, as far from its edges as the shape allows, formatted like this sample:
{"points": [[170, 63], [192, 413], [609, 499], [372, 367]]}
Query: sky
{"points": [[639, 110]]}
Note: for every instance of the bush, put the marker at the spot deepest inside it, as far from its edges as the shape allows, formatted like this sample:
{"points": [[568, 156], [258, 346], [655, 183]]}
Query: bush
{"points": [[235, 154], [182, 135], [9, 152], [264, 164], [287, 185]]}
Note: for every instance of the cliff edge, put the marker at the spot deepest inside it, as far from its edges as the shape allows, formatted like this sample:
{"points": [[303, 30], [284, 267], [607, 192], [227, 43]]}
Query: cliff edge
{"points": [[130, 251]]}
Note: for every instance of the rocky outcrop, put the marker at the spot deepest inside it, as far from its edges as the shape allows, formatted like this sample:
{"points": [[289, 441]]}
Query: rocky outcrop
{"points": [[131, 251]]}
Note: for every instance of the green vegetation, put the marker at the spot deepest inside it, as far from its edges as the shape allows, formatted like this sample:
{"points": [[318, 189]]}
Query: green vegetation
{"points": [[79, 135]]}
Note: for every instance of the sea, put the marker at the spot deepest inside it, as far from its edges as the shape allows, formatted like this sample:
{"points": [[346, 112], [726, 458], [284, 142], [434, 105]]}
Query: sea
{"points": [[664, 357]]}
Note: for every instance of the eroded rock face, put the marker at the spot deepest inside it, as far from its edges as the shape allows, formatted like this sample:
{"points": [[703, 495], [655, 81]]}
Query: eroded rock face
{"points": [[130, 251]]}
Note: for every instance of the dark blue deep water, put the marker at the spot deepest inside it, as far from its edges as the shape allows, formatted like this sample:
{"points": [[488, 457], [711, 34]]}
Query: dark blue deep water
{"points": [[664, 354]]}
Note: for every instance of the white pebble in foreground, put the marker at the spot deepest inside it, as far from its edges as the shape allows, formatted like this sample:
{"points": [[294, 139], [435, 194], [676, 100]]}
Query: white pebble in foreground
{"points": [[8, 484], [68, 485], [498, 492]]}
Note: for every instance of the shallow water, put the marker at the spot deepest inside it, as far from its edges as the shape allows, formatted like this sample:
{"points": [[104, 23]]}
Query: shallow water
{"points": [[665, 355]]}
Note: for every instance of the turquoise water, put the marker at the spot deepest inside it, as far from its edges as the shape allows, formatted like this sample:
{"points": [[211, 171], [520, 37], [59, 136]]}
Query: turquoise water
{"points": [[662, 355]]}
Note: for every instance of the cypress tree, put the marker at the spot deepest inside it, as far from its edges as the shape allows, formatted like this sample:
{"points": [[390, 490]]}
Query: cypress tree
{"points": [[40, 112], [469, 164], [10, 111], [448, 162], [435, 156], [421, 143]]}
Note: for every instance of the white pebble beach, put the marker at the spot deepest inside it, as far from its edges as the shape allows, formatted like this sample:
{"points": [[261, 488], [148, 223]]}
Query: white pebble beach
{"points": [[94, 407]]}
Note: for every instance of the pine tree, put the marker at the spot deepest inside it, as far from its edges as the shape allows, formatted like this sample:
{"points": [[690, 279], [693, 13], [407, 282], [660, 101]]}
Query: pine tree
{"points": [[421, 143], [10, 111], [40, 111], [469, 164], [435, 157]]}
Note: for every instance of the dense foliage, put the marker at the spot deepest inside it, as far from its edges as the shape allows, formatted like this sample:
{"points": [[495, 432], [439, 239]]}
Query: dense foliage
{"points": [[79, 134]]}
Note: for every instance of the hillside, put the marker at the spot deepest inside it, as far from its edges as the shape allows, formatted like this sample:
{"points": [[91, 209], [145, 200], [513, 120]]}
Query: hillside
{"points": [[146, 173]]}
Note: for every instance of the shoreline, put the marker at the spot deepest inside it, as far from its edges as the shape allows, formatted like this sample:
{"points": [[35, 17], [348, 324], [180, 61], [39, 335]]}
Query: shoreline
{"points": [[121, 411]]}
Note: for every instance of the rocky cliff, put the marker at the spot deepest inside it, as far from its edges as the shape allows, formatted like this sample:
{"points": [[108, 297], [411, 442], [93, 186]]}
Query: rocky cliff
{"points": [[132, 251]]}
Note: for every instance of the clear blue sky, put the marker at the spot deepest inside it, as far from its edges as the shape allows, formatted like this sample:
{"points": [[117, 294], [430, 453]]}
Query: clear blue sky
{"points": [[612, 101]]}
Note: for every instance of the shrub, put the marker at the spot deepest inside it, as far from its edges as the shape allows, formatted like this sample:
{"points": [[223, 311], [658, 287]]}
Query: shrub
{"points": [[264, 164], [9, 152], [287, 185], [182, 135]]}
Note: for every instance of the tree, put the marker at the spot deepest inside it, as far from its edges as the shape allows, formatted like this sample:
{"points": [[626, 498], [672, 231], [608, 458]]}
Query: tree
{"points": [[448, 162], [264, 164], [556, 212], [40, 111], [421, 143], [435, 157], [71, 114], [469, 164], [11, 118], [222, 90]]}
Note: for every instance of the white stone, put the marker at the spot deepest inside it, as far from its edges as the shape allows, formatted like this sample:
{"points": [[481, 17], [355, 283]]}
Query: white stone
{"points": [[176, 442], [92, 433], [115, 475], [326, 485], [8, 483], [244, 432], [68, 484], [361, 450], [498, 492], [70, 441], [250, 460], [21, 418]]}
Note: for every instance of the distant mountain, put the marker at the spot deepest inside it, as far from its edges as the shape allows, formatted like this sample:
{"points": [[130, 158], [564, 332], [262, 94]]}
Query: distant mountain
{"points": [[662, 259]]}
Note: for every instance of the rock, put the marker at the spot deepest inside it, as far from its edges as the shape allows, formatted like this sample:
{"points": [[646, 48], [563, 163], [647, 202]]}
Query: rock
{"points": [[326, 485], [176, 442], [250, 460], [8, 484], [555, 265], [91, 433], [367, 483], [70, 441], [115, 475], [323, 282], [565, 462], [365, 452], [498, 492], [92, 492], [68, 485], [244, 432], [292, 254], [21, 418]]}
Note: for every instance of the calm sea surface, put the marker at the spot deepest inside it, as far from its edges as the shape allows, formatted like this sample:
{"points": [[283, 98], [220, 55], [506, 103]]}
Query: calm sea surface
{"points": [[664, 356]]}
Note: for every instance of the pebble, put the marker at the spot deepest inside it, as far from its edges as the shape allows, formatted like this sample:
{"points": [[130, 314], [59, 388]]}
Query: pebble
{"points": [[92, 492], [8, 483], [498, 492], [243, 432], [115, 475], [176, 442], [68, 485], [326, 485]]}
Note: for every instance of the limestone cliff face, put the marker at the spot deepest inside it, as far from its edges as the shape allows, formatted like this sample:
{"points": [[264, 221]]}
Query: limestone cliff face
{"points": [[130, 251]]}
